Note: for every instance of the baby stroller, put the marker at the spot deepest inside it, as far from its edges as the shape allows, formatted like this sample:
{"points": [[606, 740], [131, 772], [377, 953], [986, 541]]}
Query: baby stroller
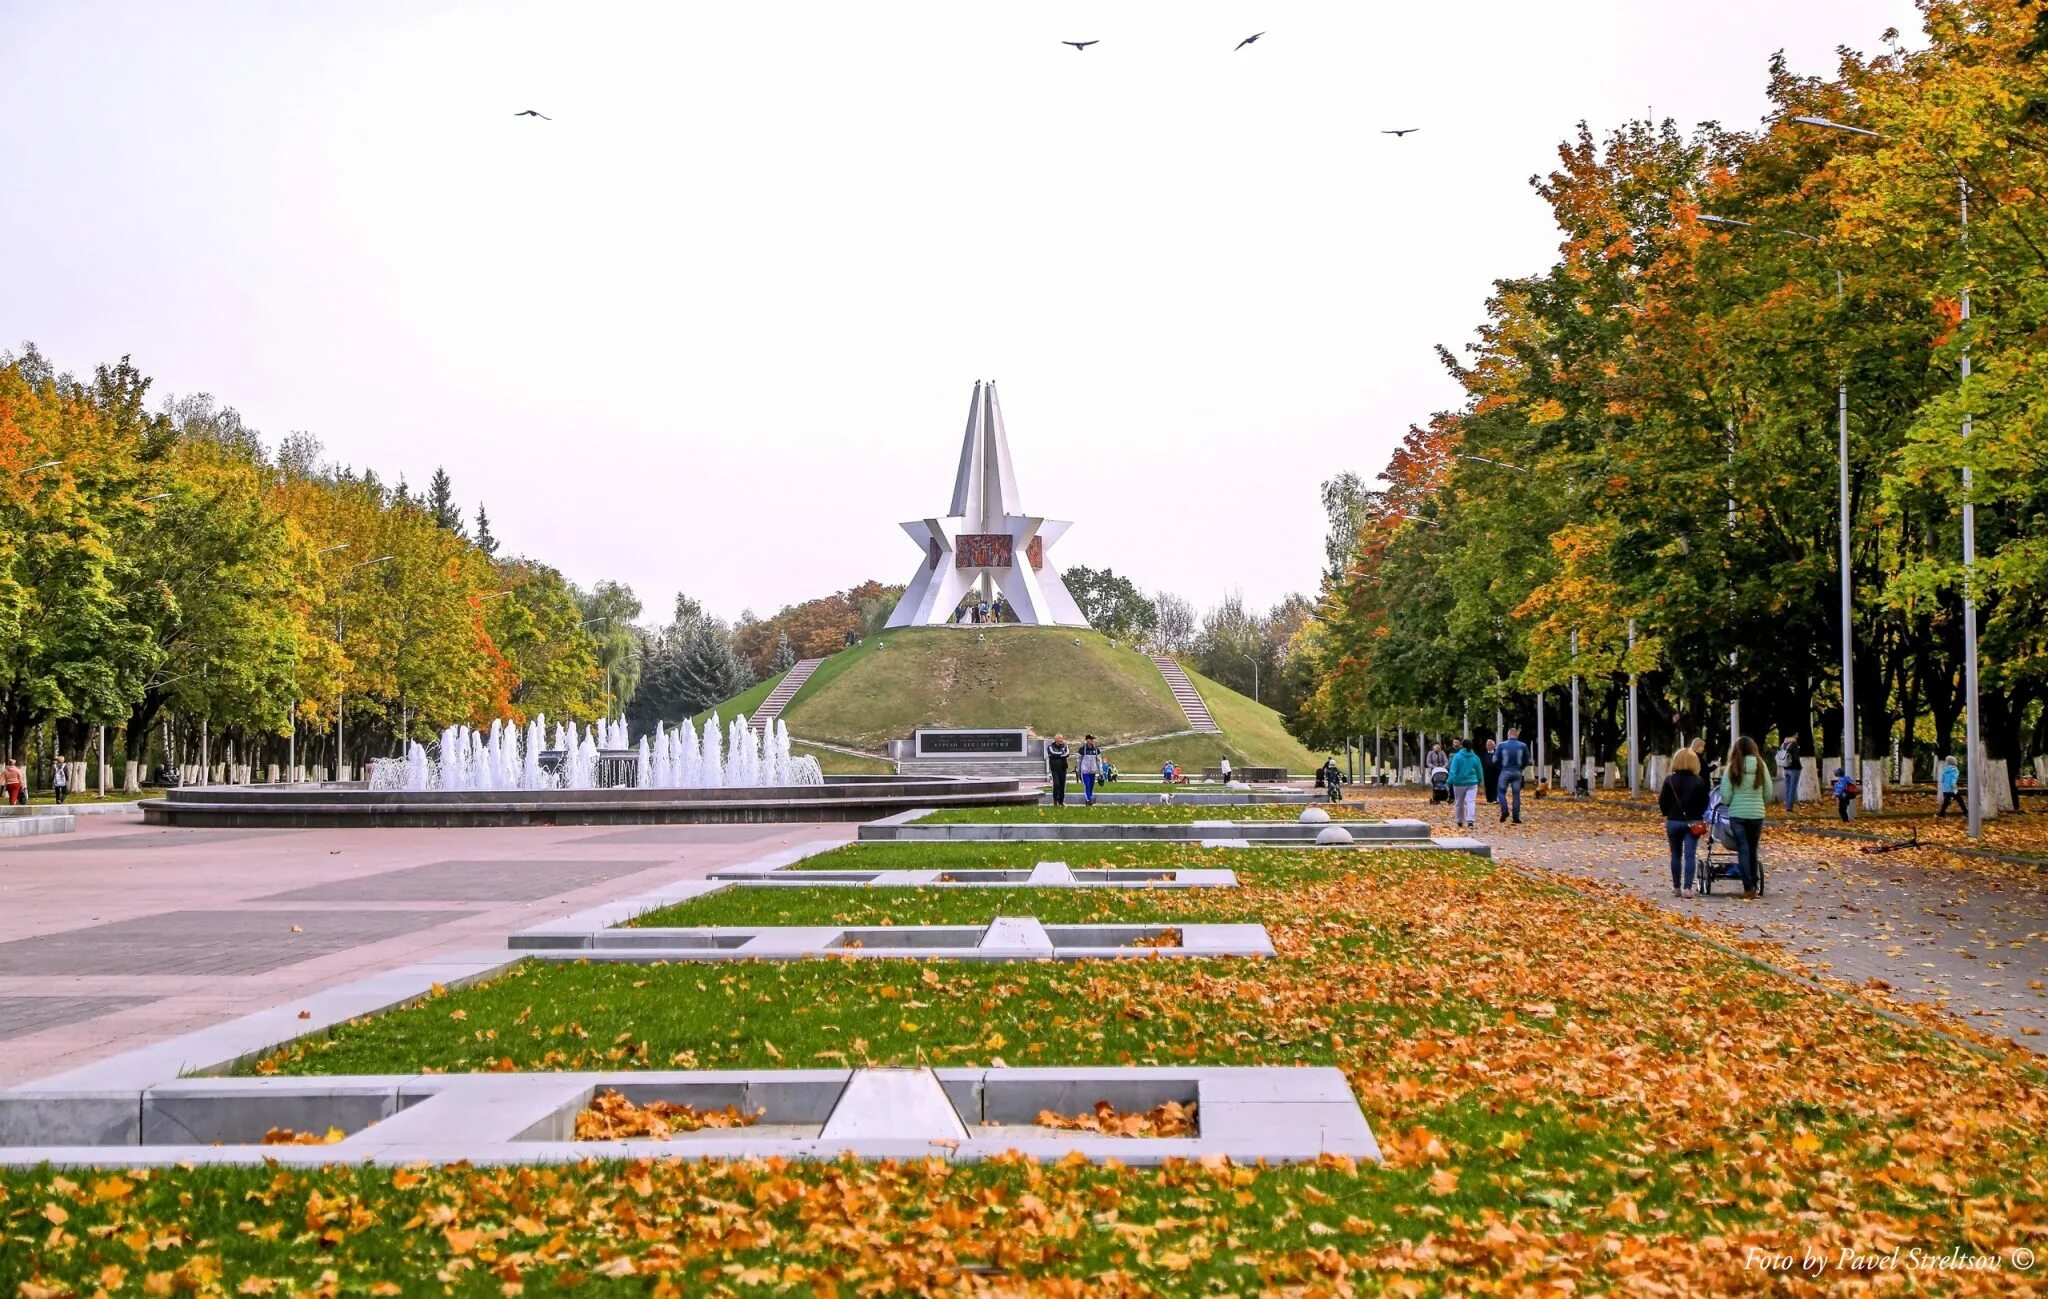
{"points": [[1439, 785], [1721, 832]]}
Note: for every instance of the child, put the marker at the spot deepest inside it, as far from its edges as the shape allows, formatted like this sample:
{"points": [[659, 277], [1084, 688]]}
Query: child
{"points": [[1948, 783], [1845, 789]]}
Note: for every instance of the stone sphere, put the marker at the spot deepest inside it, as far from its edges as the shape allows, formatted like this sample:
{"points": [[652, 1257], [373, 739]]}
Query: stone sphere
{"points": [[1235, 784], [1333, 836], [1314, 816]]}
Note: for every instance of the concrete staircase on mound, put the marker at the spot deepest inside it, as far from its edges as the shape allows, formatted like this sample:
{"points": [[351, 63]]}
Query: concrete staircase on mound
{"points": [[1185, 695], [778, 698]]}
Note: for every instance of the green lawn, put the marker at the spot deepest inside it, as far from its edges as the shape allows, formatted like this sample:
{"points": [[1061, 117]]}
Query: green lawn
{"points": [[856, 905], [43, 797], [806, 1014], [834, 763], [1049, 679], [761, 1014], [1137, 813], [1022, 856]]}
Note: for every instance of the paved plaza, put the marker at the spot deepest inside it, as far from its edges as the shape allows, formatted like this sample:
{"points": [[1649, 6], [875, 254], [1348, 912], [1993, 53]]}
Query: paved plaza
{"points": [[122, 934]]}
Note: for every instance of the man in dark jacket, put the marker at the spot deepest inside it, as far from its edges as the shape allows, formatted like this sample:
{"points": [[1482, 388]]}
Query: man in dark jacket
{"points": [[1056, 767], [1513, 755], [1489, 762]]}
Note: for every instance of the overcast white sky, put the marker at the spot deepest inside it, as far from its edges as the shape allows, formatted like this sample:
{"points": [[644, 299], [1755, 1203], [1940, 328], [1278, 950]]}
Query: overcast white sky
{"points": [[714, 327]]}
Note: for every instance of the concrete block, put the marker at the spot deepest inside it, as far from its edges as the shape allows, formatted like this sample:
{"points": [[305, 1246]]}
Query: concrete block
{"points": [[237, 1114], [1226, 940], [477, 1110], [1018, 937], [70, 1118], [1274, 1084], [36, 825], [807, 939], [895, 1104], [1049, 874], [1456, 843], [1320, 1125]]}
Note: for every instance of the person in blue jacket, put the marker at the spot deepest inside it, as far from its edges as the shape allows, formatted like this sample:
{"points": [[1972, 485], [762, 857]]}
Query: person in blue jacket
{"points": [[1845, 789], [1948, 782], [1466, 773]]}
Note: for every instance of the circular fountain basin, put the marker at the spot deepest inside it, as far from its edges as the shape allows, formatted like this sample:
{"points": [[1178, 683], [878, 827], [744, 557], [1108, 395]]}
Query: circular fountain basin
{"points": [[840, 798]]}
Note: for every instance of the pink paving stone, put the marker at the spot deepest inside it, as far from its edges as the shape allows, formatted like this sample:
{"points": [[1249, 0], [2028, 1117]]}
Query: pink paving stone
{"points": [[363, 900]]}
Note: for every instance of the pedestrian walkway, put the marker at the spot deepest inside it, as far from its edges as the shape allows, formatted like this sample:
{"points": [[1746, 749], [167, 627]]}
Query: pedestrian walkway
{"points": [[1186, 696], [785, 690], [1924, 926], [120, 934]]}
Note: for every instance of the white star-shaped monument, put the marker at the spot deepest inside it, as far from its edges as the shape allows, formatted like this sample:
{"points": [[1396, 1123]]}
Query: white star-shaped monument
{"points": [[985, 545]]}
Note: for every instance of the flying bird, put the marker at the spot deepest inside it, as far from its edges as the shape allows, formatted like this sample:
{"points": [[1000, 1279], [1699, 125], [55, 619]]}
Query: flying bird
{"points": [[1080, 45], [1249, 39], [531, 113], [1406, 130]]}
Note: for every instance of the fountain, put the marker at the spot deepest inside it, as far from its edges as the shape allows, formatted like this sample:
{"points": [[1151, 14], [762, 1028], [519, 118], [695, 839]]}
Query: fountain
{"points": [[600, 756]]}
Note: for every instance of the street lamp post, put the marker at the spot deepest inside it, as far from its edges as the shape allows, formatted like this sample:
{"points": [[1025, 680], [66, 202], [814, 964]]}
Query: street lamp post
{"points": [[1255, 674], [1578, 759], [1635, 758], [1973, 801]]}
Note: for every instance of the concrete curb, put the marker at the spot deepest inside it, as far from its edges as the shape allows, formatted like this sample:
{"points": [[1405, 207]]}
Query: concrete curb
{"points": [[1273, 1114], [31, 827], [1005, 938]]}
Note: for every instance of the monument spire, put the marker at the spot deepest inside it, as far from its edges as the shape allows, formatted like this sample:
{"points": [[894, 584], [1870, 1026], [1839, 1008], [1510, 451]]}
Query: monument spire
{"points": [[986, 545]]}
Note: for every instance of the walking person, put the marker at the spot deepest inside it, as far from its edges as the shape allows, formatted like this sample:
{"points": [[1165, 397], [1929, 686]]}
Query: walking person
{"points": [[1950, 777], [1789, 767], [1090, 767], [1513, 756], [1056, 767], [1467, 772], [1746, 789], [60, 778], [1489, 770], [1683, 800], [1845, 789], [13, 783]]}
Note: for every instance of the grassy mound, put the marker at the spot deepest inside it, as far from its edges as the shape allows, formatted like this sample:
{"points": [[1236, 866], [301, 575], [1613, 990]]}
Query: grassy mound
{"points": [[1051, 679]]}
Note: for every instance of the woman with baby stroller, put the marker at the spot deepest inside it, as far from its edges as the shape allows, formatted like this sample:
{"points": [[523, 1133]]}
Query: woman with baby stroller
{"points": [[1744, 793]]}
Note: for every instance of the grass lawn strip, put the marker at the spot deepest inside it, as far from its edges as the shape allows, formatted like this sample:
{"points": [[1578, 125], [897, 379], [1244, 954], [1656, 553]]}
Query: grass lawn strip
{"points": [[939, 906], [1079, 854], [1137, 813], [1563, 1086]]}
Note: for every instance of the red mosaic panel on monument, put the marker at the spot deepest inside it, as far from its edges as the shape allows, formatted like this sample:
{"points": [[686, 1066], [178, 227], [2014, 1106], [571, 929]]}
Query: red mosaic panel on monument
{"points": [[983, 550]]}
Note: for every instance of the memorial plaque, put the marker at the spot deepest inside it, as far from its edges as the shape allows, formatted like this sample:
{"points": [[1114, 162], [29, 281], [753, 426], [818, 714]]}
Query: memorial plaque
{"points": [[969, 743]]}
